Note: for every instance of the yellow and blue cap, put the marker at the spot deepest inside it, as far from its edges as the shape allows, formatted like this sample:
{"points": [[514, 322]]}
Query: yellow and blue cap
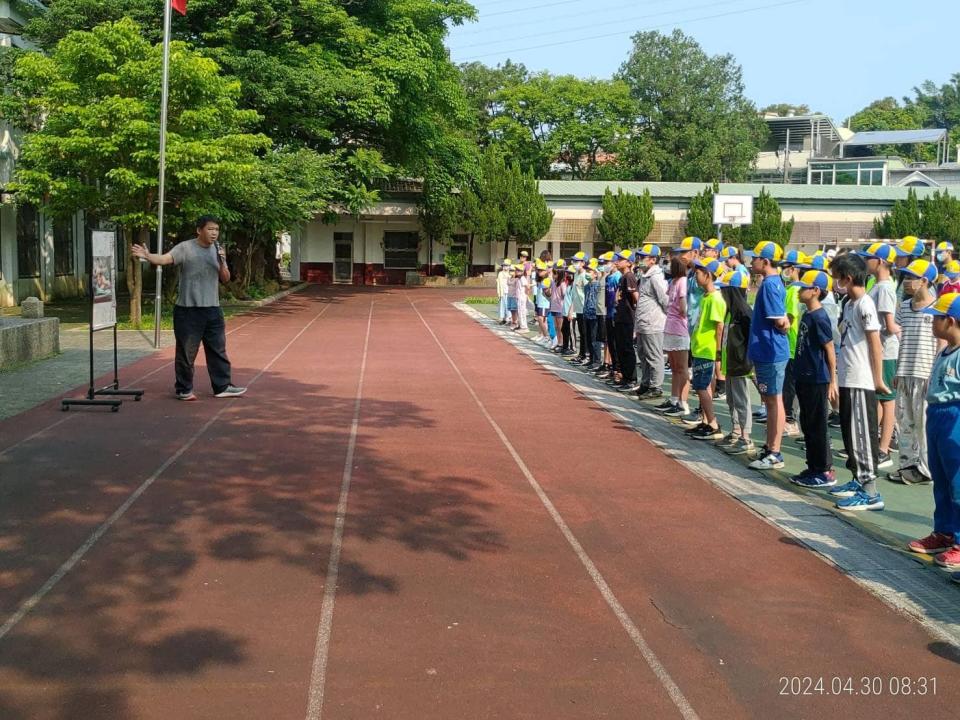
{"points": [[626, 255], [649, 250], [579, 257], [607, 256], [541, 265], [593, 263], [689, 243], [794, 257], [880, 251], [815, 279], [911, 245], [921, 269], [714, 244], [730, 251], [767, 250], [815, 262], [546, 282], [946, 306], [506, 261], [735, 278], [708, 264], [952, 270], [945, 246], [559, 264]]}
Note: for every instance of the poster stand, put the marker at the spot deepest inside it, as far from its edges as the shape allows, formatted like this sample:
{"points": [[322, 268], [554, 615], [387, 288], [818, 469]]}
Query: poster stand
{"points": [[101, 256]]}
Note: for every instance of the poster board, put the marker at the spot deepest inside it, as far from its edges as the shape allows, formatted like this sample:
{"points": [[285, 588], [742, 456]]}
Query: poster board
{"points": [[103, 279]]}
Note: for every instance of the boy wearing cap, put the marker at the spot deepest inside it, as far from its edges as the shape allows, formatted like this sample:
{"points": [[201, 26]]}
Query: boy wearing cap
{"points": [[627, 296], [769, 348], [880, 259], [951, 277], [815, 366], [611, 289], [689, 252], [590, 295], [580, 282], [860, 377], [918, 349], [705, 343], [650, 317], [735, 364], [943, 437], [944, 253], [791, 274], [503, 290]]}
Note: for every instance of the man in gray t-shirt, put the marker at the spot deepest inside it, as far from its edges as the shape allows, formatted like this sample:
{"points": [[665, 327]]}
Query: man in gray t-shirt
{"points": [[197, 317]]}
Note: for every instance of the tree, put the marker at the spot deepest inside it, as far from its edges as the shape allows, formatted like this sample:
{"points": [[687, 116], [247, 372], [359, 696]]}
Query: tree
{"points": [[941, 105], [940, 215], [98, 95], [627, 219], [564, 119], [700, 215], [482, 85], [903, 219], [694, 122], [889, 114], [768, 224], [529, 218], [786, 109]]}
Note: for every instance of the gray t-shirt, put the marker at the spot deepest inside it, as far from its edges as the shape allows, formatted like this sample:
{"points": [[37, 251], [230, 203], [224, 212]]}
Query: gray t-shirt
{"points": [[199, 274], [853, 363], [884, 296]]}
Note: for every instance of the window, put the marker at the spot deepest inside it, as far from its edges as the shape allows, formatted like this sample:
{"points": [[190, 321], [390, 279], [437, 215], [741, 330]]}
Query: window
{"points": [[28, 241], [63, 247], [401, 250], [569, 249], [599, 248], [459, 245]]}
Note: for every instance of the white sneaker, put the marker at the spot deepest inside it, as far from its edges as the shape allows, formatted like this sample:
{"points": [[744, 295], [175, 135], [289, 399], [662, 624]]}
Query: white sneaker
{"points": [[231, 391]]}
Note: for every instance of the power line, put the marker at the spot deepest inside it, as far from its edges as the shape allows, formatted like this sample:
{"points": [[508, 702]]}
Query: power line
{"points": [[532, 7], [618, 21], [617, 34]]}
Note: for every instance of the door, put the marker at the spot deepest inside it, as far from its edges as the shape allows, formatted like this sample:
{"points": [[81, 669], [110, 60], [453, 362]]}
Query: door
{"points": [[343, 257]]}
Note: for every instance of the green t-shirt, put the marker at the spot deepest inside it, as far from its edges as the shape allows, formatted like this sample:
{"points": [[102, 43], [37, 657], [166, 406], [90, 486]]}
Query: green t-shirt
{"points": [[703, 342], [794, 309]]}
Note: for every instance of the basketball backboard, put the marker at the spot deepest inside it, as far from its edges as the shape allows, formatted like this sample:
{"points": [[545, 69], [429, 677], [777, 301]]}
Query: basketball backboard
{"points": [[732, 209]]}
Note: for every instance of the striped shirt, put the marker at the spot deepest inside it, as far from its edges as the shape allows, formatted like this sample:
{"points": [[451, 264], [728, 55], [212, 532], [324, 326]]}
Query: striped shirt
{"points": [[918, 346]]}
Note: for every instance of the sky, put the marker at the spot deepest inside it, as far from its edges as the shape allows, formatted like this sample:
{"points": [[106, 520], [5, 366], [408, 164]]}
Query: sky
{"points": [[836, 56]]}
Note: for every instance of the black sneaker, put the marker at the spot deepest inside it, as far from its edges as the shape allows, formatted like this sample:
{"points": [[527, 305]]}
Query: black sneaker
{"points": [[695, 429], [694, 417], [707, 432], [833, 420], [842, 453], [676, 411], [664, 406], [628, 387], [884, 460], [652, 394]]}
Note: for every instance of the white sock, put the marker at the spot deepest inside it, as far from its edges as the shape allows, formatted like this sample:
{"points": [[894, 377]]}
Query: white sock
{"points": [[674, 399]]}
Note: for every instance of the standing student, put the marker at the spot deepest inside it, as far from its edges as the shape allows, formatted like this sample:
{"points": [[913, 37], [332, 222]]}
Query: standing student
{"points": [[503, 290], [918, 349], [815, 368], [735, 363], [541, 301], [951, 278], [880, 259], [569, 316], [769, 347], [650, 318], [523, 292], [731, 258], [603, 268], [557, 299], [790, 273], [611, 289], [590, 293], [197, 317], [627, 296], [689, 250], [580, 280], [676, 339], [860, 377], [943, 437], [705, 345]]}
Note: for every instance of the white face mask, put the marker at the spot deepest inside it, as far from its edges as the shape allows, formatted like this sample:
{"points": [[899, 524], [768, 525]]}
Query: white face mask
{"points": [[941, 256], [841, 289]]}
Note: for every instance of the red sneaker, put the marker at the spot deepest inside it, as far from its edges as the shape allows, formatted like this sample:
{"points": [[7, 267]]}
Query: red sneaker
{"points": [[932, 544], [949, 559]]}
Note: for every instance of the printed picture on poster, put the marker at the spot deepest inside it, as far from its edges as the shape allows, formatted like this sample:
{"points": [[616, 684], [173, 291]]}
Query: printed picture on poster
{"points": [[103, 280]]}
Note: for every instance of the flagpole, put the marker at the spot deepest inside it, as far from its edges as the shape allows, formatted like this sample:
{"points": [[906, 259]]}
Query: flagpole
{"points": [[164, 97]]}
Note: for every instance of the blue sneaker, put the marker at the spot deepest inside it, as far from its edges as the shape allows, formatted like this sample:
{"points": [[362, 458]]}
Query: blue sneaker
{"points": [[861, 501], [768, 461], [848, 490], [816, 481]]}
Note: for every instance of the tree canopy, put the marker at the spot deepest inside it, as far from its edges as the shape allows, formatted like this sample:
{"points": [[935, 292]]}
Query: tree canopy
{"points": [[627, 219]]}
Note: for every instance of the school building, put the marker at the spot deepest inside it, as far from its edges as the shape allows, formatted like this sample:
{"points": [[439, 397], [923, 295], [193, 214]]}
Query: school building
{"points": [[386, 243]]}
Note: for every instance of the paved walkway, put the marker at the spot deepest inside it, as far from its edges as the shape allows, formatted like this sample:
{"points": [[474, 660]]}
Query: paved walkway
{"points": [[390, 524]]}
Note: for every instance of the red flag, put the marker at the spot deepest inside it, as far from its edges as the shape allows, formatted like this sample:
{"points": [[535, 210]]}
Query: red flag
{"points": [[180, 6]]}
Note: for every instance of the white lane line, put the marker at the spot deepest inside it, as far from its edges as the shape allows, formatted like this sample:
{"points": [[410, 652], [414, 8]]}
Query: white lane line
{"points": [[31, 602], [673, 690], [133, 382], [318, 677]]}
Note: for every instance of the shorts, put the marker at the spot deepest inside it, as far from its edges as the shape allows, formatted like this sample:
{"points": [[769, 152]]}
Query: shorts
{"points": [[542, 312], [512, 304], [556, 315], [702, 373], [889, 373], [676, 343], [770, 377]]}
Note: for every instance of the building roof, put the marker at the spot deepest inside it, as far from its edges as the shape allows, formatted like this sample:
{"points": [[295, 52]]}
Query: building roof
{"points": [[801, 126], [897, 137], [590, 189]]}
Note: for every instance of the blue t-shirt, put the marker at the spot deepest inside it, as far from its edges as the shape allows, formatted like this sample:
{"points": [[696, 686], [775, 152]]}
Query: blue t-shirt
{"points": [[613, 284], [810, 365], [540, 300], [694, 298], [767, 344], [590, 300], [945, 379]]}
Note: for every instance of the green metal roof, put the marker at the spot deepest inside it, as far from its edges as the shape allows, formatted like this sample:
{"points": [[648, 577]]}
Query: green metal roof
{"points": [[827, 194]]}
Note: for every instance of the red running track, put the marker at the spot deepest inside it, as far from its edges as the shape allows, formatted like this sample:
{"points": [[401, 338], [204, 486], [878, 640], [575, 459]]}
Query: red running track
{"points": [[508, 549]]}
